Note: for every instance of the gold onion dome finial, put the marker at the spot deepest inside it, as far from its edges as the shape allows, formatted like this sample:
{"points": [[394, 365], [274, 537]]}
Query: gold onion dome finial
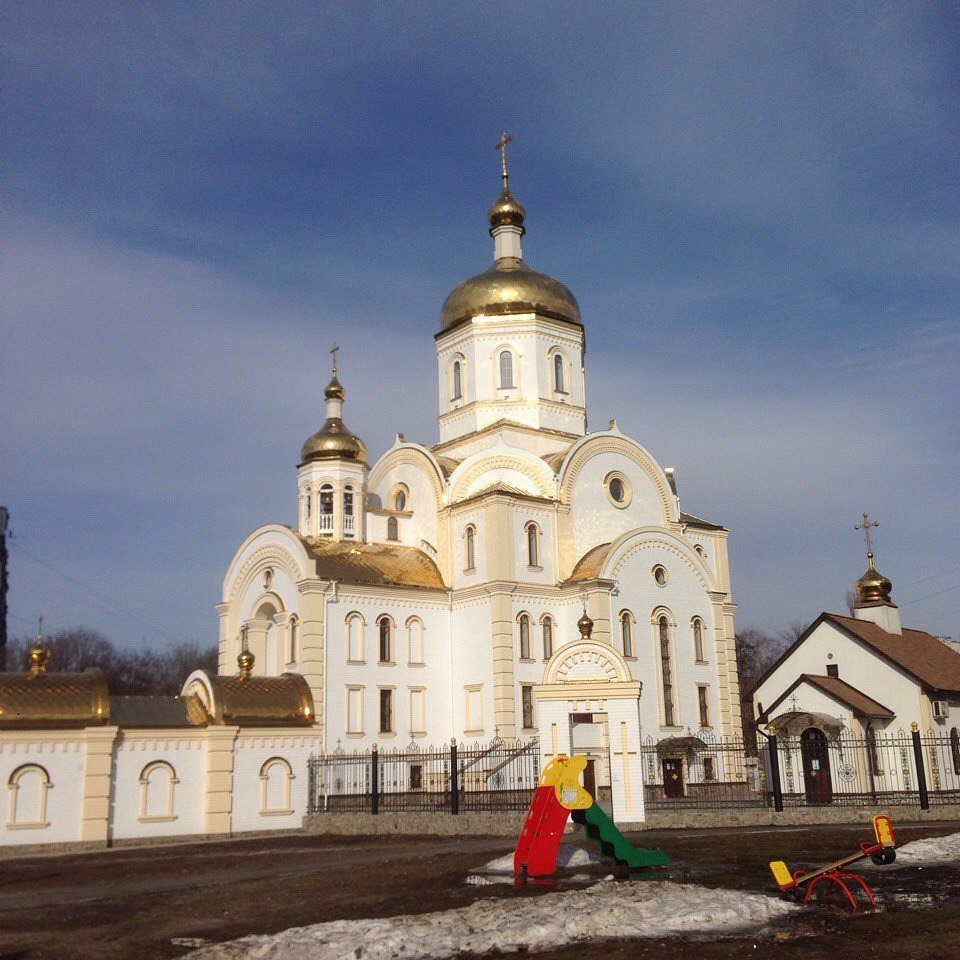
{"points": [[246, 659], [585, 625], [506, 209], [333, 441], [873, 586], [38, 653]]}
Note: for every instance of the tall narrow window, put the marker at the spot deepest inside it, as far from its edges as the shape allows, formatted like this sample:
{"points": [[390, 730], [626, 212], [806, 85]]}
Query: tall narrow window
{"points": [[415, 640], [704, 706], [386, 640], [386, 711], [471, 548], [533, 545], [400, 501], [526, 701], [307, 497], [294, 639], [626, 633], [349, 521], [558, 373], [393, 530], [524, 637], [547, 638], [698, 640], [666, 671], [457, 380], [506, 370], [355, 638], [326, 510]]}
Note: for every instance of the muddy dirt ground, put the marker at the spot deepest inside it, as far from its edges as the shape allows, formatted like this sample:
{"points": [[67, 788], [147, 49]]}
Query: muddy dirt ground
{"points": [[133, 902]]}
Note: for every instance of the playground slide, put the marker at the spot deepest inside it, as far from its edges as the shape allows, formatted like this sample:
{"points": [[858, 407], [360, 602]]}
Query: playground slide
{"points": [[539, 841], [601, 829]]}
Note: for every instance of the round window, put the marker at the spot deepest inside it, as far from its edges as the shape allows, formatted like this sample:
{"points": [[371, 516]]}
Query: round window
{"points": [[660, 575], [616, 489]]}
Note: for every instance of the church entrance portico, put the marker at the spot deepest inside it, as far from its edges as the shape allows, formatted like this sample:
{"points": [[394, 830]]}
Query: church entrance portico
{"points": [[589, 704]]}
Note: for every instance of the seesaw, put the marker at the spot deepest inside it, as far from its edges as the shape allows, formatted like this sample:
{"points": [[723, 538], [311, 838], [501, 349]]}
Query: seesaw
{"points": [[800, 884]]}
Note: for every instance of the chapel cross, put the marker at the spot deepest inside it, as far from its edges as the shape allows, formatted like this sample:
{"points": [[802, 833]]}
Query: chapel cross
{"points": [[334, 351], [502, 147], [865, 526]]}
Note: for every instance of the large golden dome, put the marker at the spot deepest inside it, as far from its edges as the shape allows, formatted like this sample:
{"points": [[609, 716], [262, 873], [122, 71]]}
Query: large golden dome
{"points": [[333, 441], [509, 287]]}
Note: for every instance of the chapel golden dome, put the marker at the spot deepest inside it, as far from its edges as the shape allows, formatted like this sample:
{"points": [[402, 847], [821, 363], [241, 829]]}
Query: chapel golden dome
{"points": [[507, 209], [333, 441], [873, 586]]}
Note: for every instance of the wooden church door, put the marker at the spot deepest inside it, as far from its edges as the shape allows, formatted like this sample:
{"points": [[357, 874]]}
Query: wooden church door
{"points": [[815, 755]]}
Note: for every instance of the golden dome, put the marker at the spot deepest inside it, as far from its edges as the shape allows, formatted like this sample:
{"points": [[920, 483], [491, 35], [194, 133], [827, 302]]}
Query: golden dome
{"points": [[585, 626], [245, 662], [333, 441], [507, 209], [334, 390], [873, 586], [509, 287]]}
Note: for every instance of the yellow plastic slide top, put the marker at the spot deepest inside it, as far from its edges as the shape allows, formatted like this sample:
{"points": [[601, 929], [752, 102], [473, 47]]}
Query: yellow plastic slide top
{"points": [[883, 830], [781, 874], [563, 774]]}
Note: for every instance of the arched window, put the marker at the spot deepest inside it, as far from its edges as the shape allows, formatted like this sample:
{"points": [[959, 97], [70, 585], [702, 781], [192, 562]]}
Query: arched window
{"points": [[28, 787], [524, 636], [626, 633], [666, 670], [349, 520], [355, 626], [393, 529], [955, 749], [275, 784], [415, 640], [471, 548], [157, 782], [307, 498], [386, 639], [533, 545], [698, 651], [506, 370], [547, 627], [400, 500], [294, 639], [558, 373], [325, 517], [457, 381]]}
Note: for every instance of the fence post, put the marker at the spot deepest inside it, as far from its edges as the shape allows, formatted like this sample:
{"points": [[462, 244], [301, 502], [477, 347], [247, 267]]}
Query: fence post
{"points": [[454, 779], [313, 764], [921, 772], [775, 772], [374, 780]]}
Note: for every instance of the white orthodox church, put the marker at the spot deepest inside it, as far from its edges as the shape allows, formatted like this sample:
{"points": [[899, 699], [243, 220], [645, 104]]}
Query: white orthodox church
{"points": [[521, 577]]}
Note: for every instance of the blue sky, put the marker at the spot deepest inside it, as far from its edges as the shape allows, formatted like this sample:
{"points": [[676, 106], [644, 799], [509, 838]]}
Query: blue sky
{"points": [[755, 204]]}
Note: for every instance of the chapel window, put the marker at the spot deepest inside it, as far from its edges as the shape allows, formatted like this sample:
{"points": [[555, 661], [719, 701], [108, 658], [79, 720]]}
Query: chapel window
{"points": [[533, 545], [524, 636], [626, 633], [325, 519], [704, 706], [457, 381], [666, 670], [558, 373], [393, 529], [506, 370], [698, 651], [386, 711], [471, 548], [526, 701], [547, 628], [386, 639]]}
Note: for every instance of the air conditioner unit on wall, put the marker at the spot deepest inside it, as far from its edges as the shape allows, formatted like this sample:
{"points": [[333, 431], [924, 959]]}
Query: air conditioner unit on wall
{"points": [[940, 709]]}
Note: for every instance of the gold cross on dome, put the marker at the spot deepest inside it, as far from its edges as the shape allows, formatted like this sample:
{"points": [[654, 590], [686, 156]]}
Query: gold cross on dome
{"points": [[865, 526], [334, 351], [502, 147]]}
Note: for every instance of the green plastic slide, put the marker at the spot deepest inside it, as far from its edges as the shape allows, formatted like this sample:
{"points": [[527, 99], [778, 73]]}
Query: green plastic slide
{"points": [[602, 830]]}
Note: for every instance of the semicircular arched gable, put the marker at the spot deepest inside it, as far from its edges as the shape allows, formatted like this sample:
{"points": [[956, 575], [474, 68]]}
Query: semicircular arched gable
{"points": [[463, 482], [633, 544], [409, 456], [593, 447], [272, 554], [586, 661]]}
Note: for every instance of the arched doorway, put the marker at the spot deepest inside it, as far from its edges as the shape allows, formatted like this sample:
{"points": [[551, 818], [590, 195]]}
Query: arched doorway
{"points": [[815, 756]]}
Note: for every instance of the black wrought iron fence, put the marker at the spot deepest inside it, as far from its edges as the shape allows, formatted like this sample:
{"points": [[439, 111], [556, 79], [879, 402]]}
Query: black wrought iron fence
{"points": [[497, 776]]}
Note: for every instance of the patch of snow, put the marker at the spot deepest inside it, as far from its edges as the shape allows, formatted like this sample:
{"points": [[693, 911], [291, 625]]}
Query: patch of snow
{"points": [[569, 855], [622, 910], [917, 853]]}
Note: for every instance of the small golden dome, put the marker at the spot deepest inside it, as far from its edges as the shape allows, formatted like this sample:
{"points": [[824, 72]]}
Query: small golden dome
{"points": [[506, 210], [39, 655], [873, 586], [585, 626], [245, 662], [334, 389], [333, 441], [509, 287]]}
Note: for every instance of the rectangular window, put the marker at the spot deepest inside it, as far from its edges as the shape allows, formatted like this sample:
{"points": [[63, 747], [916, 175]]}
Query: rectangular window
{"points": [[416, 776], [474, 706], [417, 711], [547, 638], [355, 710], [833, 669], [386, 711], [526, 700], [704, 707], [709, 768], [524, 637]]}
